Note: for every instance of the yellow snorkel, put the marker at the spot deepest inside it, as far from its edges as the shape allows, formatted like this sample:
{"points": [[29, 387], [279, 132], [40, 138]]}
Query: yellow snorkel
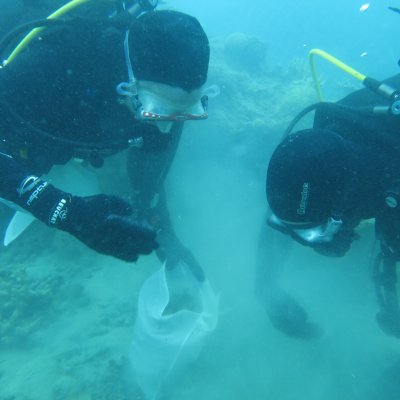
{"points": [[113, 13], [134, 10], [381, 88], [34, 32], [334, 61], [376, 86]]}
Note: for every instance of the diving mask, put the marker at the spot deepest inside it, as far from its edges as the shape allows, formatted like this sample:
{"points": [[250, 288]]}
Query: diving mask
{"points": [[160, 102], [322, 233]]}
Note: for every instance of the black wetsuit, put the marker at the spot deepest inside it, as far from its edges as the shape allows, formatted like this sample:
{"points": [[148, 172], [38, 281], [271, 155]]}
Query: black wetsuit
{"points": [[58, 100], [374, 193], [370, 191], [376, 139]]}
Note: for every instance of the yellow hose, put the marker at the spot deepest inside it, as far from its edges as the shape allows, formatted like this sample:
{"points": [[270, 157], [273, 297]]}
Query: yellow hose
{"points": [[34, 32], [334, 61]]}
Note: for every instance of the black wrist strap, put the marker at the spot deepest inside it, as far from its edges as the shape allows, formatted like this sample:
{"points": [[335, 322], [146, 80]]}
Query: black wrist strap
{"points": [[47, 203]]}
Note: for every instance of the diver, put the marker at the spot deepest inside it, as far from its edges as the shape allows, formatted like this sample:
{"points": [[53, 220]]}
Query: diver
{"points": [[125, 77], [321, 183]]}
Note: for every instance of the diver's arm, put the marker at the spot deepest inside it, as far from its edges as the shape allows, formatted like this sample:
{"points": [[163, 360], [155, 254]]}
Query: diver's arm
{"points": [[385, 271], [12, 174], [171, 249], [385, 279], [100, 221], [284, 312], [148, 167], [271, 254]]}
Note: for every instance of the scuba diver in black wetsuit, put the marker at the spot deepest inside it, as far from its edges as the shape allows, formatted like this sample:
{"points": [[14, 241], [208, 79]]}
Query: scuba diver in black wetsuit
{"points": [[321, 183], [88, 88]]}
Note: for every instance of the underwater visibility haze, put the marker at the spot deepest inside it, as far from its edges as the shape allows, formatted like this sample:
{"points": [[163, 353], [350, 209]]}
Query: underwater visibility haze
{"points": [[68, 316]]}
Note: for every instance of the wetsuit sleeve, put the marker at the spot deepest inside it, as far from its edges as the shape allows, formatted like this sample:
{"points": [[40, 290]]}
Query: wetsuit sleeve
{"points": [[284, 312], [97, 221], [148, 167], [12, 174], [21, 187]]}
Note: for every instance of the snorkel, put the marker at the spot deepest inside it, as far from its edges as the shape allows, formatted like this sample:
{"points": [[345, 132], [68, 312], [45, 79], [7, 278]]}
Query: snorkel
{"points": [[383, 89], [380, 88], [62, 17], [35, 27]]}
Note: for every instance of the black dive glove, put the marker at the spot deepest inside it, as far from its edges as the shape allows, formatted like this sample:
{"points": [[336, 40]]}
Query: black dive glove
{"points": [[288, 316], [172, 251], [98, 221]]}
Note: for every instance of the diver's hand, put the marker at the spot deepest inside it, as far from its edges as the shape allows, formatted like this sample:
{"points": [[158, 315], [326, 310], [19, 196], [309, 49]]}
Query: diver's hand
{"points": [[101, 223], [288, 316], [389, 322], [98, 221], [173, 256], [171, 250]]}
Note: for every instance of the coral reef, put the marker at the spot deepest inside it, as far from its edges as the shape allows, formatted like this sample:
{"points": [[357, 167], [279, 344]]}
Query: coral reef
{"points": [[245, 52], [23, 304], [255, 101]]}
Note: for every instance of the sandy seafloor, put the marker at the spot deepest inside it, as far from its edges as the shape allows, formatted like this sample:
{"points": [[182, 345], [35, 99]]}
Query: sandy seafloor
{"points": [[67, 313]]}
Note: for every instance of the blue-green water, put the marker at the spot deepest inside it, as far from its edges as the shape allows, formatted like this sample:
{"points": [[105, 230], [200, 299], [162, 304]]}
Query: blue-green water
{"points": [[67, 313]]}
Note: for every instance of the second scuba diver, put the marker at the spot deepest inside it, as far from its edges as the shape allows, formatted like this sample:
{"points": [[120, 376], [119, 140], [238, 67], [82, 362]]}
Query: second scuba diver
{"points": [[321, 183]]}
